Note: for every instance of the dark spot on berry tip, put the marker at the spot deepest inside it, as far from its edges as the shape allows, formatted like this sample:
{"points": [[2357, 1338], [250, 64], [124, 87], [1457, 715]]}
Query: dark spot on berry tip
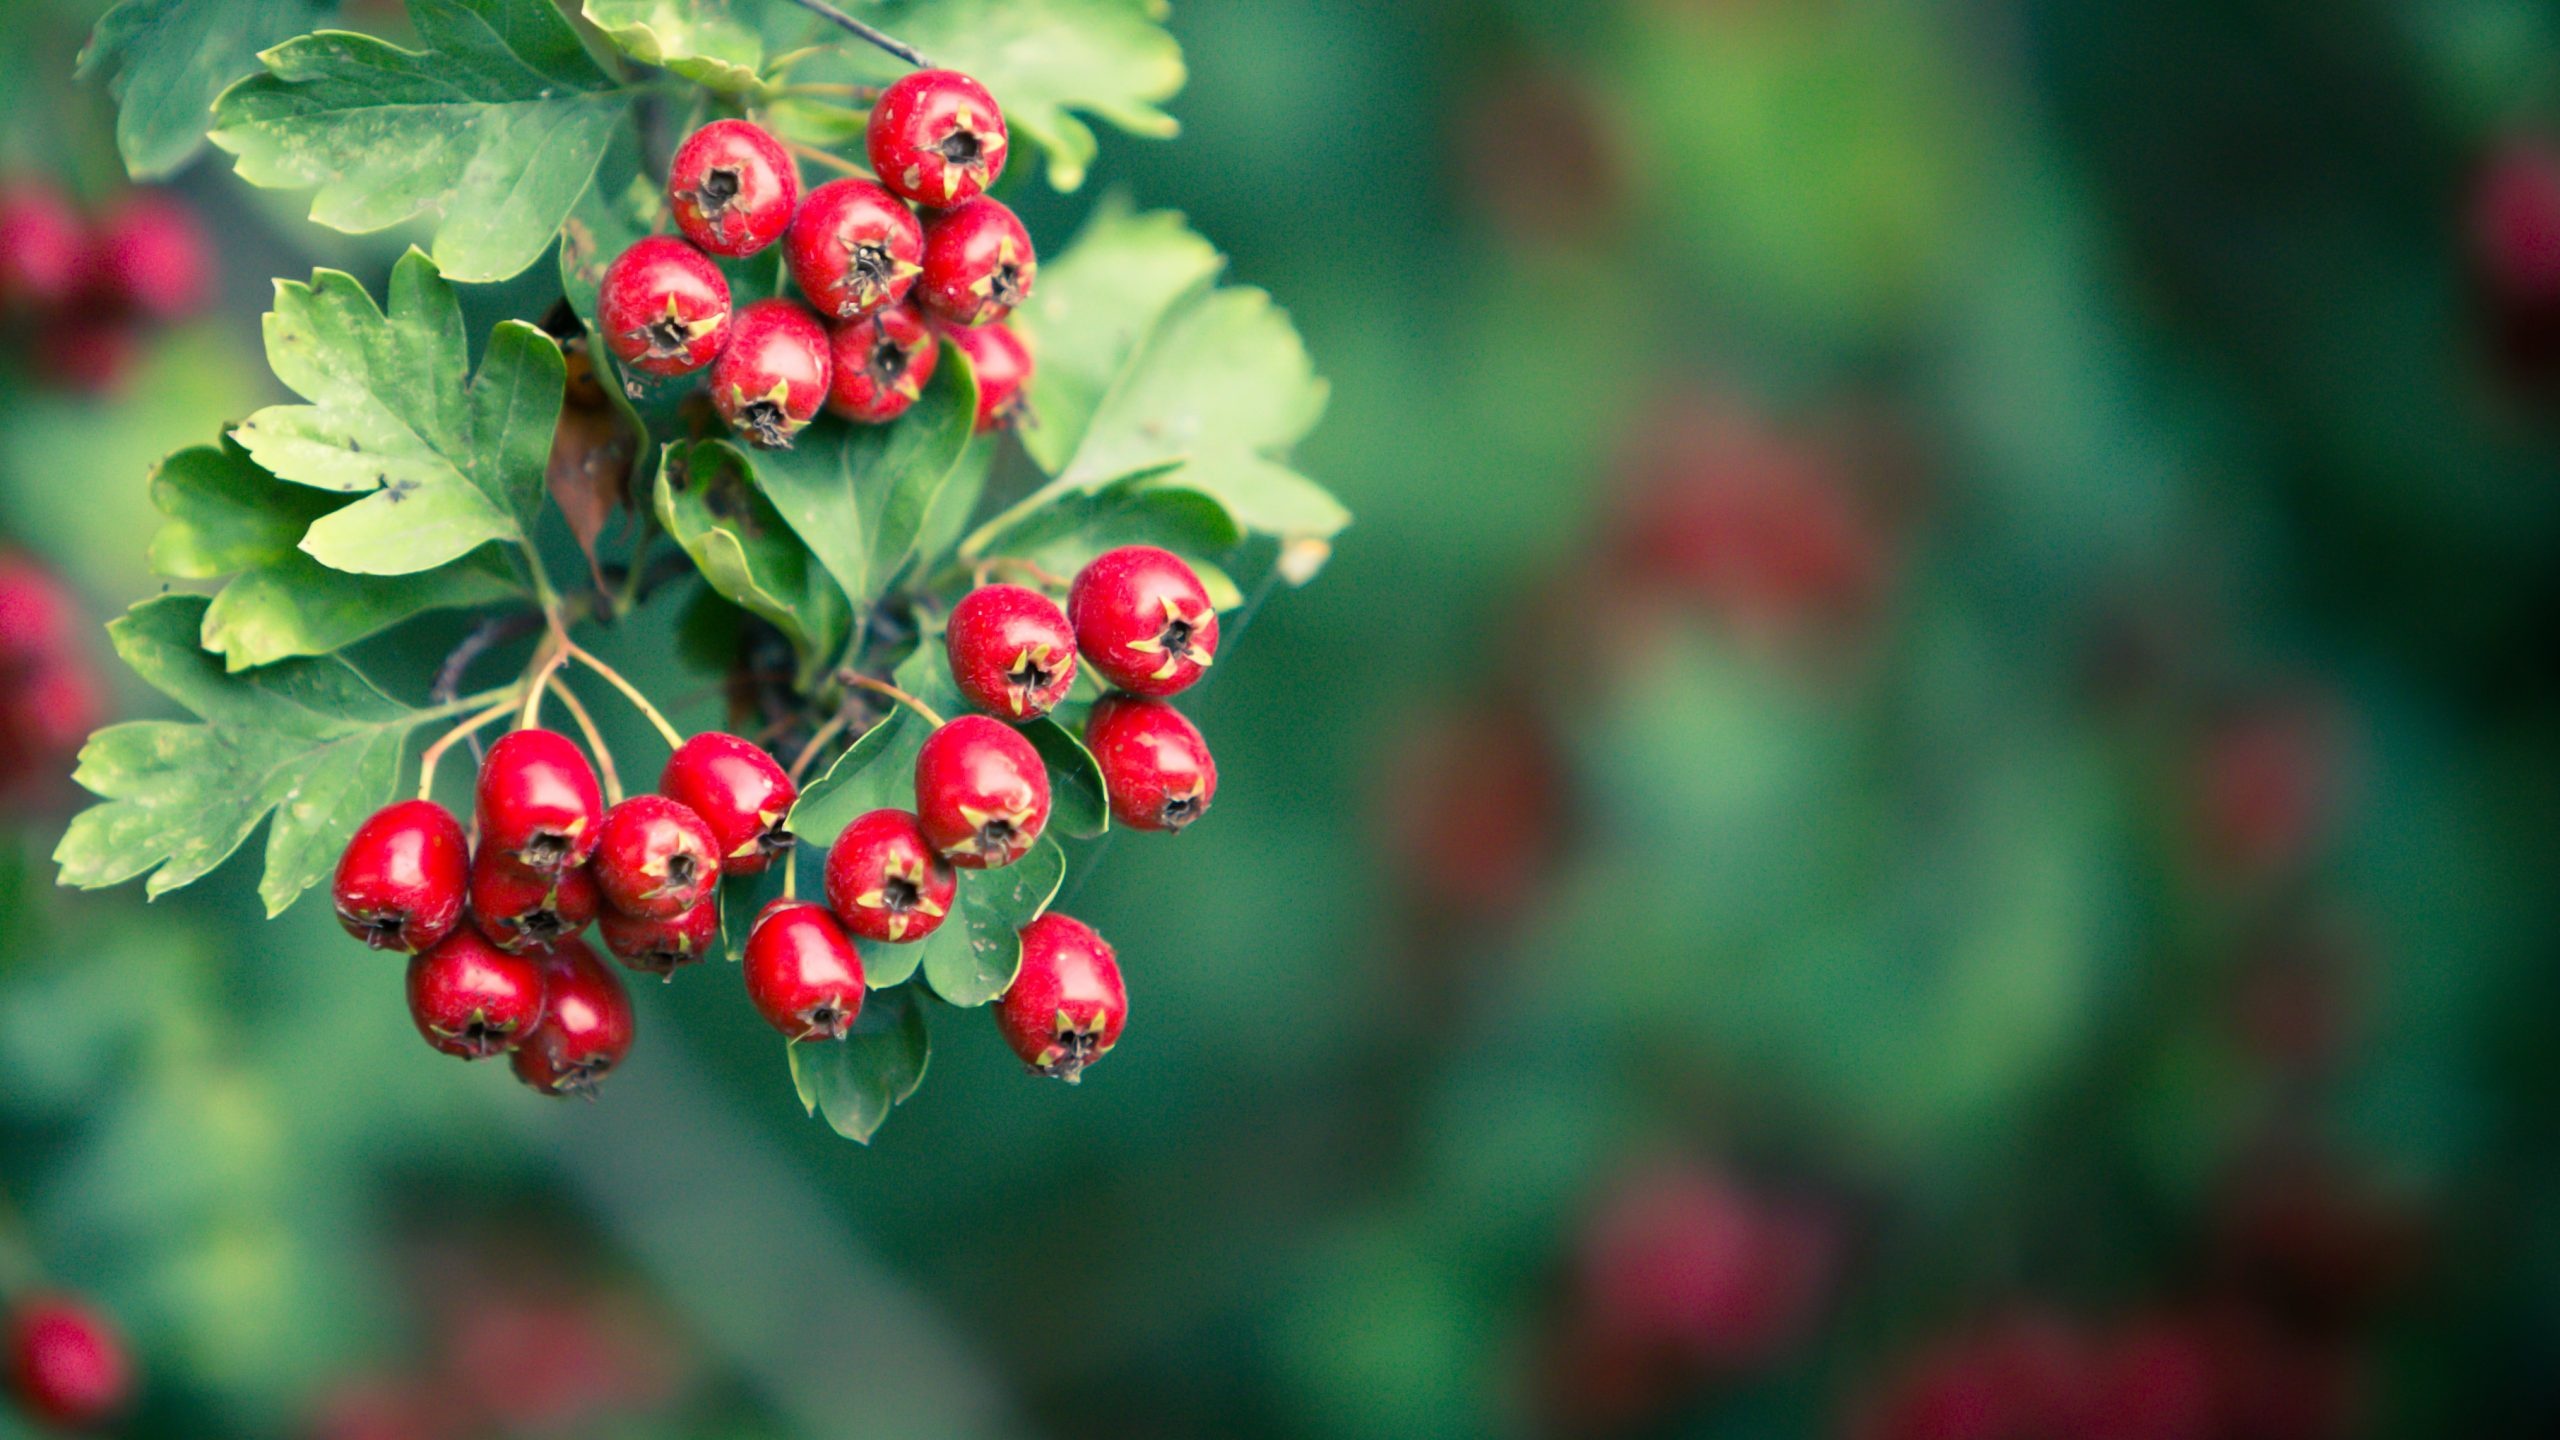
{"points": [[682, 869], [776, 841], [545, 925], [961, 147], [1075, 1051], [995, 837], [383, 931], [1176, 635], [718, 189], [547, 851], [888, 361], [1009, 288], [1178, 813], [899, 894]]}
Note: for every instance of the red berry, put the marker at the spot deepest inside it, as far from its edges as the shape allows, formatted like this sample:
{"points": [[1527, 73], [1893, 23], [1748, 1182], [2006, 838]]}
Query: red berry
{"points": [[773, 377], [1066, 1005], [732, 188], [587, 1030], [664, 309], [978, 263], [982, 794], [38, 616], [44, 717], [519, 909], [882, 365], [661, 947], [1144, 620], [87, 353], [937, 138], [854, 248], [1011, 651], [655, 858], [539, 804], [42, 245], [472, 999], [1002, 364], [804, 976], [151, 259], [739, 791], [66, 1364], [1155, 767], [400, 882], [885, 883]]}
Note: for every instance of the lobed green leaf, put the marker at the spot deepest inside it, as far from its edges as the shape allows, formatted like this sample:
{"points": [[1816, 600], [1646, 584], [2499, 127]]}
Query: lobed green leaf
{"points": [[973, 958], [171, 58], [709, 504], [859, 495]]}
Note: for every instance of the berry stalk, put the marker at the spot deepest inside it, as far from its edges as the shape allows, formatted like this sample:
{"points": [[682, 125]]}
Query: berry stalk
{"points": [[856, 28]]}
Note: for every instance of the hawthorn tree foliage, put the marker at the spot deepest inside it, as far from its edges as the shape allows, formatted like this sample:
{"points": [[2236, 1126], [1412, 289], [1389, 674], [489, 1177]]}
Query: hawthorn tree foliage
{"points": [[422, 467]]}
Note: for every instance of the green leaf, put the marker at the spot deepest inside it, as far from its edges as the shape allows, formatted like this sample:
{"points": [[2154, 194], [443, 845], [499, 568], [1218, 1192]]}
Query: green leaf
{"points": [[698, 39], [884, 965], [858, 495], [972, 962], [879, 771], [311, 741], [1075, 526], [856, 1081], [496, 128], [1078, 805], [172, 57], [444, 466], [948, 517], [708, 502], [1097, 301]]}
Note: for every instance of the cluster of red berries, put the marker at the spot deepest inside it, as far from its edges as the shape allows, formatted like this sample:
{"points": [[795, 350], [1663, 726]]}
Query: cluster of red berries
{"points": [[880, 282], [87, 292], [49, 694], [65, 1364]]}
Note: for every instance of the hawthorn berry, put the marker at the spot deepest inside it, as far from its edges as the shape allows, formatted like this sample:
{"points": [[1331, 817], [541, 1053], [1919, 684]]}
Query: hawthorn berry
{"points": [[539, 804], [978, 263], [663, 307], [804, 976], [1144, 620], [401, 879], [773, 377], [86, 352], [936, 137], [42, 246], [66, 1363], [854, 248], [1155, 767], [37, 613], [741, 792], [1002, 364], [1011, 651], [472, 999], [660, 947], [732, 188], [882, 364], [587, 1029], [982, 794], [150, 258], [884, 880], [656, 859], [519, 909], [1066, 1005]]}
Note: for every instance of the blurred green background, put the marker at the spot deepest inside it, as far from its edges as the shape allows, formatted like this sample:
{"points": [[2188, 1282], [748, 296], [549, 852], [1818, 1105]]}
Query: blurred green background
{"points": [[1931, 764]]}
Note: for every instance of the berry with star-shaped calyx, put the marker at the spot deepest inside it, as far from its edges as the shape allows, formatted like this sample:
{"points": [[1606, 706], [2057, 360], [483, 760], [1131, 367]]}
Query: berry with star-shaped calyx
{"points": [[661, 947], [802, 973], [884, 880], [1002, 363], [741, 792], [1144, 620], [882, 365], [936, 137], [587, 1029], [1066, 1005], [472, 999], [1011, 651], [1155, 767], [982, 794], [655, 858], [663, 307], [65, 1363], [401, 880], [978, 263], [773, 377], [732, 188], [854, 248], [519, 909], [539, 802]]}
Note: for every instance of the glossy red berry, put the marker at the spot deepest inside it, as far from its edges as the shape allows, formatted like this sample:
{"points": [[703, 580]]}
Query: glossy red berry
{"points": [[401, 878], [937, 138], [472, 999], [151, 258], [978, 263], [519, 909], [882, 365], [884, 880], [1066, 1005], [1002, 364], [539, 804], [1155, 767], [773, 377], [661, 947], [1011, 651], [663, 307], [804, 976], [732, 188], [67, 1366], [739, 791], [587, 1029], [1143, 620], [42, 246], [982, 794], [655, 858], [854, 248]]}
